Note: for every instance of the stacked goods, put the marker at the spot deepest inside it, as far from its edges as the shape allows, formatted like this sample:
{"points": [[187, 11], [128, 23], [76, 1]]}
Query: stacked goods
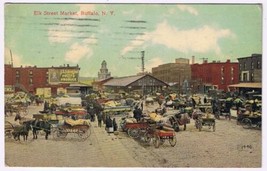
{"points": [[77, 122], [130, 120], [162, 120], [155, 117], [208, 115]]}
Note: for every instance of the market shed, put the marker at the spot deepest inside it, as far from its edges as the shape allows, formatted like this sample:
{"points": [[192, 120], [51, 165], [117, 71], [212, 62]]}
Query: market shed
{"points": [[138, 83]]}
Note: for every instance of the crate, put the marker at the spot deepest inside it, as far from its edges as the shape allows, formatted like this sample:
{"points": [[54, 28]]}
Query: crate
{"points": [[38, 116], [162, 133]]}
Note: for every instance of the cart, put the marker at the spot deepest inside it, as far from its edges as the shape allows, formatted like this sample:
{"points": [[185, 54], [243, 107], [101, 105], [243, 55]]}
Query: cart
{"points": [[9, 128], [161, 135], [205, 120], [251, 121], [82, 130], [134, 129]]}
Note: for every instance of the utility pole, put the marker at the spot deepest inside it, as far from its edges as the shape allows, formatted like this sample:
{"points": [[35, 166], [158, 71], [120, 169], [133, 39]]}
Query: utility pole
{"points": [[142, 66], [11, 58]]}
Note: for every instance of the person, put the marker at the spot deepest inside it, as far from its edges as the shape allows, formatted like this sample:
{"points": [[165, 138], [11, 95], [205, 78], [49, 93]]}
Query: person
{"points": [[99, 118], [109, 123], [115, 125], [193, 102], [137, 114], [254, 106]]}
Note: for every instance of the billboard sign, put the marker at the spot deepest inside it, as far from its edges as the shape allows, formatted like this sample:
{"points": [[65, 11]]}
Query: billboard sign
{"points": [[63, 75]]}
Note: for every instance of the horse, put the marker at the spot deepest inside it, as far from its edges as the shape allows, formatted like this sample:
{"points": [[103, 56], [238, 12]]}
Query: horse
{"points": [[182, 119], [38, 125], [21, 130], [21, 119]]}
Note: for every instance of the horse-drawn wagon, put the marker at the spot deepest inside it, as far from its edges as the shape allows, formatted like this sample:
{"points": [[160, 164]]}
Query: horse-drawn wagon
{"points": [[81, 127], [204, 119]]}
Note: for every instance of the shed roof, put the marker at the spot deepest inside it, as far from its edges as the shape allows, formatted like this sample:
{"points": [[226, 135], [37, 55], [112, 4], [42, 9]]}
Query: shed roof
{"points": [[247, 85], [123, 81], [126, 81]]}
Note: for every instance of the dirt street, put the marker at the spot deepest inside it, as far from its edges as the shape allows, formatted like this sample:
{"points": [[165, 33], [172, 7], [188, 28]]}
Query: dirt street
{"points": [[229, 146]]}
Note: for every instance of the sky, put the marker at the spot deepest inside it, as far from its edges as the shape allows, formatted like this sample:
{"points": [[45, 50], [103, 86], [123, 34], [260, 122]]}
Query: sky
{"points": [[86, 34]]}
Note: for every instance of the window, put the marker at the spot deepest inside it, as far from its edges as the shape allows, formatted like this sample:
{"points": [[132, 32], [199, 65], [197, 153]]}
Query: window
{"points": [[245, 66], [222, 80], [232, 70], [240, 66], [258, 64], [222, 70], [252, 77], [17, 73], [30, 81], [252, 65]]}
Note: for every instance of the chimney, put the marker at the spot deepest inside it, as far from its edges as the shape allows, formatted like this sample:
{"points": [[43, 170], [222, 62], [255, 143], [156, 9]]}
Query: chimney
{"points": [[193, 60]]}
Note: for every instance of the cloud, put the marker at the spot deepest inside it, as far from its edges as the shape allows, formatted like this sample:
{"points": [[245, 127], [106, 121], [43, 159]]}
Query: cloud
{"points": [[189, 9], [81, 50], [153, 63], [77, 51], [202, 40]]}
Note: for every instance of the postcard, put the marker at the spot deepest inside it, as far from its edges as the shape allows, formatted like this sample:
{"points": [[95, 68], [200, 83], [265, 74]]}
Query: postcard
{"points": [[133, 85]]}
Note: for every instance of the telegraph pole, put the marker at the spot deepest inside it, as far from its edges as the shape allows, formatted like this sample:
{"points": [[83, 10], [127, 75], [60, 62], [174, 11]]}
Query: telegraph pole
{"points": [[142, 66], [143, 70]]}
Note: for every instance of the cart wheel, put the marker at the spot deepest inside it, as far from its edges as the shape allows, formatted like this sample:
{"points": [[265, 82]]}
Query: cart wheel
{"points": [[133, 132], [148, 137], [246, 123], [84, 133], [156, 141], [173, 141], [59, 133], [8, 133]]}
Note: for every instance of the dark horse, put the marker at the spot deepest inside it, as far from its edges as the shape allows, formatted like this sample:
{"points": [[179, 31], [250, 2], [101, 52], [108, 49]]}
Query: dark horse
{"points": [[36, 126]]}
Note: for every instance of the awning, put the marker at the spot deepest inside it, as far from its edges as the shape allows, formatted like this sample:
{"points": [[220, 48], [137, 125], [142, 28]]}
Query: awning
{"points": [[247, 85]]}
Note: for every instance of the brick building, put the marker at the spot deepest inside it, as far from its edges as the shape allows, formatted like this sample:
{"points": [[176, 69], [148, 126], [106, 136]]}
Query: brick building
{"points": [[250, 74], [174, 73], [33, 79], [250, 68], [214, 75]]}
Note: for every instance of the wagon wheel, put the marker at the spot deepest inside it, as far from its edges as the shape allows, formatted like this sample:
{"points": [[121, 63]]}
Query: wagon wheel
{"points": [[246, 123], [173, 141], [84, 133], [133, 132], [8, 133], [148, 137], [156, 141], [59, 133]]}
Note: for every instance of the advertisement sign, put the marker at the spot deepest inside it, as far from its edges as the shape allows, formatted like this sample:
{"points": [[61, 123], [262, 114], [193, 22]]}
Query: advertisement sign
{"points": [[63, 75]]}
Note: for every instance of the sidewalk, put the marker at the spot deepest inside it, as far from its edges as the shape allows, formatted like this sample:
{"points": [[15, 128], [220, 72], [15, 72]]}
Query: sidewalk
{"points": [[114, 151]]}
